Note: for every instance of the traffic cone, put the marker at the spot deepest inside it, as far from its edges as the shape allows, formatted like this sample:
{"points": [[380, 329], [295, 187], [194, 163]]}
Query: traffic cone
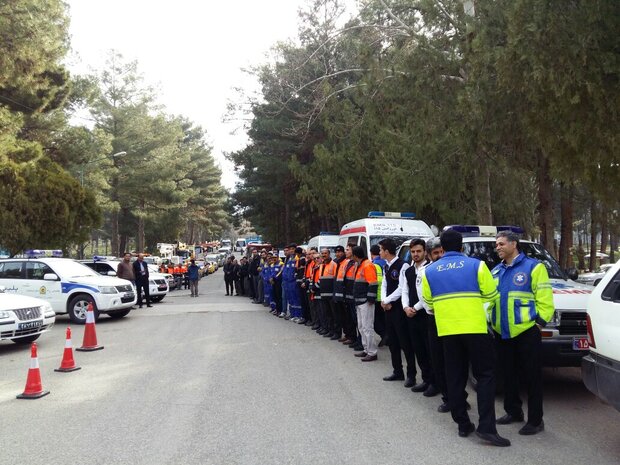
{"points": [[67, 364], [90, 335], [33, 389]]}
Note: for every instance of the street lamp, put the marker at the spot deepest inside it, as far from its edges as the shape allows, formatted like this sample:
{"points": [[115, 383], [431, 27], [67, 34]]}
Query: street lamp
{"points": [[117, 154]]}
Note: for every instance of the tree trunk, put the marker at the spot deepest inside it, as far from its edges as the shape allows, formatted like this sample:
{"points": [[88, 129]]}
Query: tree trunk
{"points": [[593, 231], [140, 238], [613, 244], [484, 209], [287, 220], [545, 205], [566, 229], [604, 230], [114, 235], [123, 245]]}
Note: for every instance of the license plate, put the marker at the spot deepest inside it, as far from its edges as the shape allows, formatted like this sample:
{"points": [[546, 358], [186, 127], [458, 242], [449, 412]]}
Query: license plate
{"points": [[162, 287], [580, 343], [30, 324], [129, 295]]}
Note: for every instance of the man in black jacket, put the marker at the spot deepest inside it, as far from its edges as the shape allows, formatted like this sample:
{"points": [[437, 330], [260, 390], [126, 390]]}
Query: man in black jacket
{"points": [[141, 272], [254, 275]]}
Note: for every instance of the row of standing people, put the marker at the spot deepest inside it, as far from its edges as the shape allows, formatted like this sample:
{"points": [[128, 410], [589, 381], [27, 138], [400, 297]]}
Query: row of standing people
{"points": [[435, 311]]}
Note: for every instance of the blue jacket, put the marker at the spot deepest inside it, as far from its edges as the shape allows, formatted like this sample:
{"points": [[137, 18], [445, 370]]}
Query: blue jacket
{"points": [[525, 296], [192, 272]]}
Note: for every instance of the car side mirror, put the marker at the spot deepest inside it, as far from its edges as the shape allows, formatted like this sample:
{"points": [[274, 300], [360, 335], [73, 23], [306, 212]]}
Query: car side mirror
{"points": [[111, 273], [50, 277], [572, 273]]}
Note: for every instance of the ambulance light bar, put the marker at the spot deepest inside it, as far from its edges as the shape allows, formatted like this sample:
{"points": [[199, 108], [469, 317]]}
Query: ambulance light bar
{"points": [[403, 215], [472, 230], [327, 233]]}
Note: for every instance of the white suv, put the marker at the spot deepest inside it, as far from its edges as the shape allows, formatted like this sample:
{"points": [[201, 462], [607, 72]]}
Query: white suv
{"points": [[68, 286], [601, 367], [23, 319], [158, 282]]}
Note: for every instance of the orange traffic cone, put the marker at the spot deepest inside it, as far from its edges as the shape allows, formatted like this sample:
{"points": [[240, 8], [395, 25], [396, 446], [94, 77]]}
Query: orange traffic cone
{"points": [[68, 364], [33, 389], [90, 335]]}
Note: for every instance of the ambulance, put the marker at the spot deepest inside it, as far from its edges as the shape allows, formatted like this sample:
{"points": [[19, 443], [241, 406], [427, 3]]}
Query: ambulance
{"points": [[398, 226], [325, 240]]}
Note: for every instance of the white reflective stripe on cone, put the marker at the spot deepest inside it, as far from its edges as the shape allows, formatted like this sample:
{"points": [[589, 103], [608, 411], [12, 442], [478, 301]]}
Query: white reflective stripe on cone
{"points": [[90, 316], [68, 344], [34, 363]]}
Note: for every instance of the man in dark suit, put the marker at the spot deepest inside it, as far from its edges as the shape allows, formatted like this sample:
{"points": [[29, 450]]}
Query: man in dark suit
{"points": [[141, 272]]}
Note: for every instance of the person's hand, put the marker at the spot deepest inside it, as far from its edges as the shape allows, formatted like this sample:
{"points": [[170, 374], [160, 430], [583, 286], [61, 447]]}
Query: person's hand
{"points": [[410, 312], [386, 307]]}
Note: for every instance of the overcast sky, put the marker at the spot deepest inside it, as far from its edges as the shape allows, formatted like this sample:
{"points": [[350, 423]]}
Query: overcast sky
{"points": [[192, 50]]}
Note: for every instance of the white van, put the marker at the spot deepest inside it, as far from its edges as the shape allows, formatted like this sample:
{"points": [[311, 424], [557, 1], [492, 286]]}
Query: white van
{"points": [[398, 226], [324, 240], [601, 367], [69, 286]]}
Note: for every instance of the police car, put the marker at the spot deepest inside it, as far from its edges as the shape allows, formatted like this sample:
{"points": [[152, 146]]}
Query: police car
{"points": [[564, 338], [23, 319], [158, 282], [398, 226], [67, 285]]}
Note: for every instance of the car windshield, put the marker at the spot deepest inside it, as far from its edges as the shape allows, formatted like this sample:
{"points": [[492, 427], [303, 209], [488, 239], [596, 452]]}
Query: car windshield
{"points": [[485, 251], [398, 239], [71, 269], [212, 257]]}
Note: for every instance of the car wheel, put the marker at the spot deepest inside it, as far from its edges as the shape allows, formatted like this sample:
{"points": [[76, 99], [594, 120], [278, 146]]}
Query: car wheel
{"points": [[157, 298], [78, 307], [25, 340], [119, 313]]}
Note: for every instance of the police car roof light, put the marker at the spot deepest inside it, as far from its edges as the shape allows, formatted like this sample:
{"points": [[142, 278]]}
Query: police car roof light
{"points": [[466, 230], [379, 214], [98, 258], [38, 253], [514, 229]]}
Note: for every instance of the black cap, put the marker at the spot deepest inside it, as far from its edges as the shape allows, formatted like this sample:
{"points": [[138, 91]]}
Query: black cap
{"points": [[292, 245], [339, 248]]}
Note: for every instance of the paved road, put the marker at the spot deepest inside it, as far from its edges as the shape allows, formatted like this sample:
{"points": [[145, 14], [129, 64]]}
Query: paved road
{"points": [[216, 380]]}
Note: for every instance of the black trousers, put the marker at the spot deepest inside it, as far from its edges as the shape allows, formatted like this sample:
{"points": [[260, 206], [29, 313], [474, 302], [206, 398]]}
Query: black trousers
{"points": [[521, 357], [229, 285], [331, 317], [479, 349], [397, 333], [277, 295], [253, 285], [143, 285], [418, 337], [237, 282], [305, 304], [435, 345], [349, 327], [315, 311], [379, 320]]}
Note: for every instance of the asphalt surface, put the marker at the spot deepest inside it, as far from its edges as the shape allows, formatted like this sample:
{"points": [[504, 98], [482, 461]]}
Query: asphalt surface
{"points": [[217, 380]]}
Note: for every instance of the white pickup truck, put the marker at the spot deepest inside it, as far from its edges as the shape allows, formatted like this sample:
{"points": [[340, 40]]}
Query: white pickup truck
{"points": [[601, 367]]}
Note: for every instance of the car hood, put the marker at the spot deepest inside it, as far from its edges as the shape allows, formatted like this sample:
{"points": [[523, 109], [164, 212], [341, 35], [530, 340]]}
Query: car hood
{"points": [[10, 301], [570, 295]]}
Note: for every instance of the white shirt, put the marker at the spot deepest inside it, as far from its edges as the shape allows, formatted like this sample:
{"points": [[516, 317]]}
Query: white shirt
{"points": [[394, 296], [418, 284]]}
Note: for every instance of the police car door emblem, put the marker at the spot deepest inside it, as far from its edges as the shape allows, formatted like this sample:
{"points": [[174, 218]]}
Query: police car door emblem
{"points": [[520, 279]]}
